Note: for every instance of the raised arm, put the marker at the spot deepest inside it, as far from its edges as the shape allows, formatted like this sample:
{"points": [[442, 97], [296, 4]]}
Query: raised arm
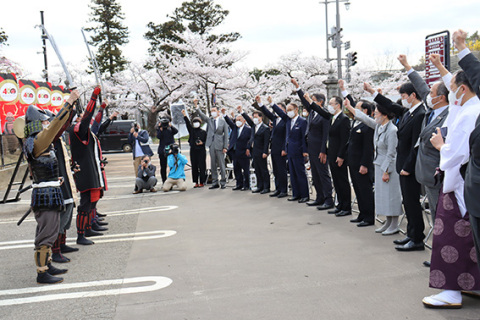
{"points": [[417, 81], [318, 109], [468, 62], [397, 109], [187, 122], [280, 113]]}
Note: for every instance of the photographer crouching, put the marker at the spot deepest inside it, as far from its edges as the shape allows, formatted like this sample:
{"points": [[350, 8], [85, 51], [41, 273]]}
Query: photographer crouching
{"points": [[146, 179], [176, 161]]}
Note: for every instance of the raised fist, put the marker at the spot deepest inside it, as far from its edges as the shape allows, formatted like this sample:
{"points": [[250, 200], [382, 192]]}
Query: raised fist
{"points": [[435, 59], [403, 60], [459, 38], [74, 95], [258, 99], [341, 84], [295, 83]]}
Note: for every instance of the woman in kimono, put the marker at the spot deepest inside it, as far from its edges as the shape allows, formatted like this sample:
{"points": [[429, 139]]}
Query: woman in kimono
{"points": [[388, 198]]}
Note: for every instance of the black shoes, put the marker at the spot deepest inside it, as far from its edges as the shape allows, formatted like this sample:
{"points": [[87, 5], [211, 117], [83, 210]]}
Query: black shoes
{"points": [[356, 220], [46, 278], [102, 223], [55, 271], [325, 206], [223, 187], [313, 203], [237, 188], [335, 211], [215, 186], [97, 227], [275, 194], [343, 213], [66, 249], [84, 241], [365, 224], [59, 258], [403, 241], [411, 246], [245, 189], [265, 191], [92, 233], [101, 214], [282, 195], [303, 200], [293, 199], [257, 190], [426, 264]]}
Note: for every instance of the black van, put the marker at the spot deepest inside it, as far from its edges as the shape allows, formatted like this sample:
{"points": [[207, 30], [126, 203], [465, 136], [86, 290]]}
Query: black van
{"points": [[115, 138]]}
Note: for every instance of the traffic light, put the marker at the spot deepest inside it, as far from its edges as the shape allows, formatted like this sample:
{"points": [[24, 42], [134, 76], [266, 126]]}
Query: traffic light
{"points": [[349, 59], [354, 59]]}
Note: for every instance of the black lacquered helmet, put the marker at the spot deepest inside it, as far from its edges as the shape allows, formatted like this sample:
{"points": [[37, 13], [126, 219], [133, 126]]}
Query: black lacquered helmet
{"points": [[34, 113]]}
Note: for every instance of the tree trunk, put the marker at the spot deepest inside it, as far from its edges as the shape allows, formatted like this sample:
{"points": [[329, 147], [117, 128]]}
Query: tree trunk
{"points": [[152, 117]]}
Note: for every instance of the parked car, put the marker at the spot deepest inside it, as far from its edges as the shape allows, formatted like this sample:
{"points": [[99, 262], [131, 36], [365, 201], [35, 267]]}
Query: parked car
{"points": [[115, 138]]}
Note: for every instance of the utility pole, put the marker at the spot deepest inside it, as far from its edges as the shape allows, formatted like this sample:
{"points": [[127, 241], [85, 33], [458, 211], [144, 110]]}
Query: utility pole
{"points": [[44, 38], [339, 43]]}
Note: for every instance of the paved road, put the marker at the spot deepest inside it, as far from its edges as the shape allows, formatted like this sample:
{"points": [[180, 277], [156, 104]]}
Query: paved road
{"points": [[220, 254]]}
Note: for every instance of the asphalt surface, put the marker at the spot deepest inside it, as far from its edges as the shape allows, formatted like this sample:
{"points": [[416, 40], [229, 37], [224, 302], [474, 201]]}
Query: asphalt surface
{"points": [[217, 254]]}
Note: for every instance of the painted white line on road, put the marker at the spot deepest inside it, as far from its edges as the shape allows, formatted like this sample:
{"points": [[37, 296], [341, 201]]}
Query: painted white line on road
{"points": [[110, 213], [159, 283], [136, 236]]}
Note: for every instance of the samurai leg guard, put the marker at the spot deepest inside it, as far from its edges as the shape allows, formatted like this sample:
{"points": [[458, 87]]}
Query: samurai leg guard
{"points": [[42, 258], [82, 221]]}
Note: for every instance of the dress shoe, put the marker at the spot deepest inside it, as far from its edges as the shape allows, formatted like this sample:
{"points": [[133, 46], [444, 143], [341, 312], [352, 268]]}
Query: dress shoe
{"points": [[237, 188], [196, 185], [244, 189], [46, 278], [426, 264], [334, 211], [313, 203], [275, 194], [325, 206], [293, 199], [102, 223], [55, 271], [65, 249], [403, 241], [84, 241], [411, 246], [223, 187], [265, 191], [215, 186], [59, 258], [282, 195], [365, 224], [257, 190], [303, 200], [356, 220], [92, 233], [201, 185], [343, 213]]}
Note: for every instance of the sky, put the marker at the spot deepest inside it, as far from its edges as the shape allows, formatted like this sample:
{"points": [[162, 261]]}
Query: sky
{"points": [[378, 30]]}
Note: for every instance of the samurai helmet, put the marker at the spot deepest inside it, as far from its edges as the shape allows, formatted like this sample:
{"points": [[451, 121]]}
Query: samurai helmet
{"points": [[34, 113], [50, 115]]}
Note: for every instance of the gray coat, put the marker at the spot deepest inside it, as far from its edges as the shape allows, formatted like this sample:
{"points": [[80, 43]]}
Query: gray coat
{"points": [[428, 158], [218, 138]]}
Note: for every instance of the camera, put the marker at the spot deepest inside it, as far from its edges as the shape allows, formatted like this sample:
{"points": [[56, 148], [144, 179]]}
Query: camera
{"points": [[135, 125], [171, 149], [198, 141], [164, 123], [145, 161]]}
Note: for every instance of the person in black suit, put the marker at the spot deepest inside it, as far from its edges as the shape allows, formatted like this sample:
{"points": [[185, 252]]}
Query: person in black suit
{"points": [[336, 152], [258, 145], [411, 114], [296, 151], [277, 146], [360, 164], [165, 134], [238, 148], [316, 136]]}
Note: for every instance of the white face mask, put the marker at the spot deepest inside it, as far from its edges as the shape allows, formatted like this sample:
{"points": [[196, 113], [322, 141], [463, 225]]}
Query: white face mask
{"points": [[305, 114], [256, 121], [291, 114], [214, 114], [240, 123], [196, 124], [406, 104], [430, 104], [45, 126], [452, 98], [331, 109]]}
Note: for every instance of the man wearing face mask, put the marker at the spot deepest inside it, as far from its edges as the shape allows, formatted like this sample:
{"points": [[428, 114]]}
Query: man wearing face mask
{"points": [[238, 148], [428, 157], [277, 146], [296, 149], [258, 144], [196, 140], [411, 114], [217, 142], [316, 136]]}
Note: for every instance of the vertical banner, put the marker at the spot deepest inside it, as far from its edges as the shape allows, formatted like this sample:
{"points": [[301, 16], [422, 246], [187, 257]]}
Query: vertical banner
{"points": [[44, 95], [8, 101], [27, 95], [437, 43], [57, 99]]}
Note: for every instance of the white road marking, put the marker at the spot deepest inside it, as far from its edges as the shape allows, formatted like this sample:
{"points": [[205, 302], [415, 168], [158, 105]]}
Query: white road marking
{"points": [[136, 236], [110, 213], [159, 283]]}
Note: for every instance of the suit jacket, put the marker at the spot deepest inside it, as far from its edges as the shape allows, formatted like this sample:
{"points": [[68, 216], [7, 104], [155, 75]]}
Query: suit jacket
{"points": [[278, 135], [239, 144], [260, 140], [295, 143], [217, 137], [472, 177], [471, 66], [338, 136], [360, 146], [409, 129], [141, 138]]}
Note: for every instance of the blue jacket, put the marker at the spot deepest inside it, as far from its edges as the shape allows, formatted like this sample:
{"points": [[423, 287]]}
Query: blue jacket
{"points": [[277, 139], [295, 137], [239, 143], [142, 138], [177, 171]]}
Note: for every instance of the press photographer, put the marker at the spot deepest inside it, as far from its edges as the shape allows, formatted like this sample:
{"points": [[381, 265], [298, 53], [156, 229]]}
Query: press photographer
{"points": [[146, 179], [165, 135], [176, 162], [139, 140]]}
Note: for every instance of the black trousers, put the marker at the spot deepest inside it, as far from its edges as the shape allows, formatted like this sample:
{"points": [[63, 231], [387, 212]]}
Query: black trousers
{"points": [[321, 179], [279, 164], [241, 169], [261, 172], [163, 165], [363, 186], [342, 185], [413, 209], [199, 165], [475, 225]]}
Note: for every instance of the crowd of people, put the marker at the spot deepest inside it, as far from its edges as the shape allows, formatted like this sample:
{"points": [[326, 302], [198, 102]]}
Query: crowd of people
{"points": [[391, 150]]}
